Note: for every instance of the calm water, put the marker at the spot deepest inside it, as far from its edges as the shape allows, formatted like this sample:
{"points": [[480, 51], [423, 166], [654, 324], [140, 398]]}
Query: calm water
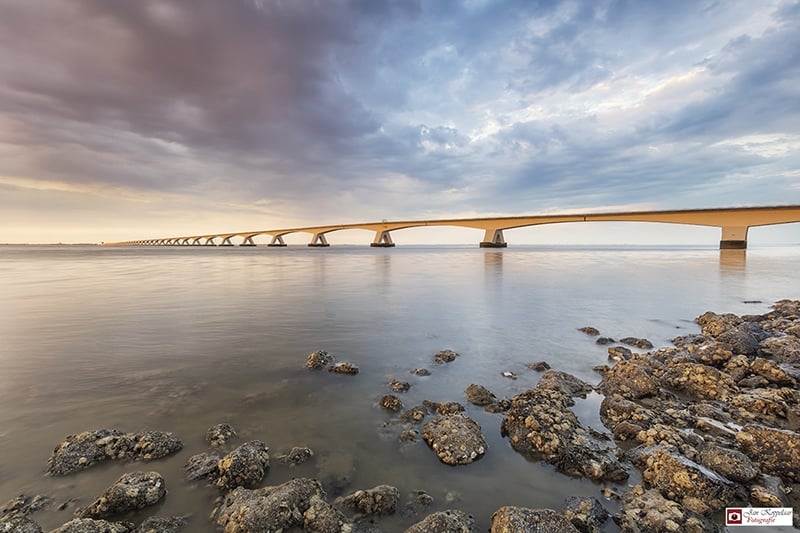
{"points": [[179, 339]]}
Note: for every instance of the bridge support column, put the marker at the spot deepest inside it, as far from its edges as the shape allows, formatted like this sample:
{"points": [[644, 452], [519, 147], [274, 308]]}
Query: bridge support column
{"points": [[733, 238], [210, 242], [382, 240], [248, 241], [319, 240], [196, 242], [493, 238], [226, 241], [277, 240]]}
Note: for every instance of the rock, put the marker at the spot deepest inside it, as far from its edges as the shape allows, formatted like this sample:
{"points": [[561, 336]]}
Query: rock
{"points": [[345, 367], [444, 356], [275, 508], [644, 344], [23, 505], [700, 381], [648, 511], [784, 349], [456, 439], [380, 500], [170, 524], [566, 383], [682, 341], [763, 406], [743, 339], [83, 450], [587, 514], [245, 466], [500, 406], [539, 366], [220, 434], [590, 330], [517, 519], [447, 408], [202, 465], [540, 425], [318, 360], [619, 353], [415, 415], [753, 382], [297, 455], [390, 402], [19, 524], [737, 367], [775, 451], [728, 463], [604, 340], [88, 525], [713, 325], [322, 517], [399, 386], [616, 410], [768, 491], [680, 479], [771, 371], [418, 500], [420, 372], [685, 441], [409, 435], [132, 491], [711, 353], [449, 521], [479, 395], [629, 379]]}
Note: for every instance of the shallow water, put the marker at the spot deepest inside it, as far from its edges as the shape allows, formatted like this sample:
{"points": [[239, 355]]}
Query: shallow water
{"points": [[178, 339]]}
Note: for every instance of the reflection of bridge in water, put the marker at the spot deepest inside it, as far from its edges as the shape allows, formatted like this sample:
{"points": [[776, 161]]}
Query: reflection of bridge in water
{"points": [[734, 223]]}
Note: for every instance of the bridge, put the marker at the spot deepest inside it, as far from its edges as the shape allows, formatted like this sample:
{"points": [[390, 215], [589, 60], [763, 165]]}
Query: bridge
{"points": [[734, 223]]}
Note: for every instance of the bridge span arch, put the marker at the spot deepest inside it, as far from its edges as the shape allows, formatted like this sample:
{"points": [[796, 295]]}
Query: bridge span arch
{"points": [[734, 224]]}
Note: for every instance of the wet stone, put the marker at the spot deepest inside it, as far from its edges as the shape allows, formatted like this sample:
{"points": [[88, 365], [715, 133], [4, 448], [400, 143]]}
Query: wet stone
{"points": [[415, 415], [444, 356], [219, 434], [784, 349], [88, 525], [345, 367], [629, 379], [399, 386], [202, 466], [390, 402], [604, 340], [24, 505], [19, 524], [417, 501], [444, 408], [297, 455], [564, 382], [322, 517], [83, 450], [380, 500], [771, 371], [700, 381], [132, 491], [753, 382], [318, 360], [743, 339], [245, 466], [456, 439], [275, 508], [619, 353], [728, 463], [775, 451], [420, 372], [449, 521], [768, 491], [516, 519], [590, 330], [539, 366], [171, 524], [585, 513], [648, 510], [479, 395], [644, 344]]}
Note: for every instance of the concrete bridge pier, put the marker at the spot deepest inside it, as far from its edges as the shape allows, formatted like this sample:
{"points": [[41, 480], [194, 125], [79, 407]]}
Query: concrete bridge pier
{"points": [[734, 238], [493, 238], [318, 240], [248, 241], [277, 240], [382, 240]]}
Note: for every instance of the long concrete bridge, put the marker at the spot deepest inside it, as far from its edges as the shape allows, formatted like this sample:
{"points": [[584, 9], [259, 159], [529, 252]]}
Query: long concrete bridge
{"points": [[734, 223]]}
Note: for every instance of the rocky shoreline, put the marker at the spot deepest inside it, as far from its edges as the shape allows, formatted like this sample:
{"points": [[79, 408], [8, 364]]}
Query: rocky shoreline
{"points": [[707, 423]]}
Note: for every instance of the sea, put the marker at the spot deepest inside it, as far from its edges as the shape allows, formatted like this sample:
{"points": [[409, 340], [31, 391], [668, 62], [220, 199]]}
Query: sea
{"points": [[181, 338]]}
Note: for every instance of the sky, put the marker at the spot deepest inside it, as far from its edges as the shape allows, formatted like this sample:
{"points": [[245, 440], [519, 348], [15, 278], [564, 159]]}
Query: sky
{"points": [[124, 120]]}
